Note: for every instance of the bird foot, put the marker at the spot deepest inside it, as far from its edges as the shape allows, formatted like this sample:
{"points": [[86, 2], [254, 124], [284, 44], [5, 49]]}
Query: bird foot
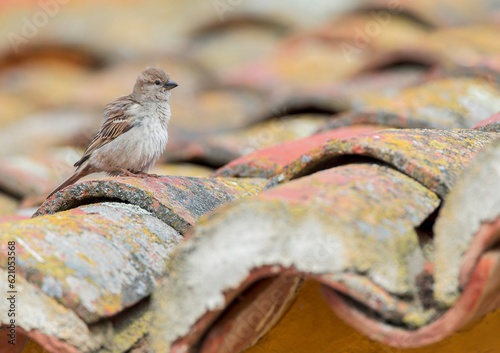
{"points": [[147, 175], [141, 175], [126, 172]]}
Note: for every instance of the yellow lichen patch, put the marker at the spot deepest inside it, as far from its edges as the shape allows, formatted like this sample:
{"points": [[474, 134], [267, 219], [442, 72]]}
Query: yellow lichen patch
{"points": [[310, 325], [246, 187]]}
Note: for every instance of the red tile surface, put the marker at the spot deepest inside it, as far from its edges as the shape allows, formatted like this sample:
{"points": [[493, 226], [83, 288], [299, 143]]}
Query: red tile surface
{"points": [[266, 162], [491, 124]]}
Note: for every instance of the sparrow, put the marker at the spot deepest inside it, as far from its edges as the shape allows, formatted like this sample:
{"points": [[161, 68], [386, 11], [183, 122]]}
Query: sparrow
{"points": [[133, 134]]}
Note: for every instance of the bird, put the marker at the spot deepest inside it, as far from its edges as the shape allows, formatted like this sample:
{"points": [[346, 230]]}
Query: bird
{"points": [[133, 134]]}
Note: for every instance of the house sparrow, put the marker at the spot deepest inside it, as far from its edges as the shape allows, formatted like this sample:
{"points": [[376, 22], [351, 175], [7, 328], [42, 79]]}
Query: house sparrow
{"points": [[134, 132]]}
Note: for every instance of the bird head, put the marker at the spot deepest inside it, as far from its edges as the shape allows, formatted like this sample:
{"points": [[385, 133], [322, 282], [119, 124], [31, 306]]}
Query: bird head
{"points": [[153, 84]]}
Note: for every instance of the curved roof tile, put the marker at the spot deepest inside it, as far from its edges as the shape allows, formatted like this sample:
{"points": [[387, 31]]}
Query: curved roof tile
{"points": [[92, 251], [51, 324], [177, 201], [468, 225], [491, 124], [353, 226], [96, 259], [266, 162], [433, 157]]}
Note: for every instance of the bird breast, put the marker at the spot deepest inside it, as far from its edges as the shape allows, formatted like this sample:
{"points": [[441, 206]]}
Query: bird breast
{"points": [[138, 149]]}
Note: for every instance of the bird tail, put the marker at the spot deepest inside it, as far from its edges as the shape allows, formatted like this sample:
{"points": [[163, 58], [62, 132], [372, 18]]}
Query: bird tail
{"points": [[73, 179]]}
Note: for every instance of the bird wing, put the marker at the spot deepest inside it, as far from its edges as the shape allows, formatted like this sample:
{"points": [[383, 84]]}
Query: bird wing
{"points": [[117, 122]]}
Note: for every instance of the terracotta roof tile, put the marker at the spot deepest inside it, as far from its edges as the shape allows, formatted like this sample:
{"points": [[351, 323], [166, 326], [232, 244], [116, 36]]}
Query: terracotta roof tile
{"points": [[444, 12], [182, 169], [177, 201], [48, 321], [99, 274], [267, 162], [468, 225], [296, 226], [8, 205], [13, 217], [356, 187], [108, 256], [433, 157], [491, 124], [22, 177]]}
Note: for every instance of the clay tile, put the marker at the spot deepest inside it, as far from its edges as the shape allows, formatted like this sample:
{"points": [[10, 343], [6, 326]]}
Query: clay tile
{"points": [[444, 103], [466, 46], [405, 111], [444, 13], [433, 157], [327, 226], [8, 206], [468, 224], [222, 108], [491, 124], [13, 217], [177, 201], [355, 229], [267, 162], [467, 260], [47, 322], [217, 44], [108, 256]]}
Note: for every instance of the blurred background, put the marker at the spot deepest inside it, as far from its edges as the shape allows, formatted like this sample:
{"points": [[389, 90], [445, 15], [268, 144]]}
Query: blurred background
{"points": [[250, 73]]}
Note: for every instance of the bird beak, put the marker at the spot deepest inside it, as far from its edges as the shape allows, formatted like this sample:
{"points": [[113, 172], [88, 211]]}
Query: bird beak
{"points": [[170, 84]]}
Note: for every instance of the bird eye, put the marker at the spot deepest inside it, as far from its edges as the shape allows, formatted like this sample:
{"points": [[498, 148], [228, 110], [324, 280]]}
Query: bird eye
{"points": [[157, 82]]}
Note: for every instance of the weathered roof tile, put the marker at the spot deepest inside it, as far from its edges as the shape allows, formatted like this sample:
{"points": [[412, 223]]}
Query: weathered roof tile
{"points": [[98, 259], [468, 224], [396, 229], [95, 259], [491, 124], [267, 162], [51, 324], [433, 157], [314, 226], [177, 201]]}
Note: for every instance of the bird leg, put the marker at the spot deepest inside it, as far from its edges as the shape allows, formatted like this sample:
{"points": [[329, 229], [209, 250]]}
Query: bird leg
{"points": [[126, 172]]}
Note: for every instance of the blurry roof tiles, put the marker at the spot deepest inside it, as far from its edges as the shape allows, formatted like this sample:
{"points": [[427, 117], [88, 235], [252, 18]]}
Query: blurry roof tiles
{"points": [[356, 154]]}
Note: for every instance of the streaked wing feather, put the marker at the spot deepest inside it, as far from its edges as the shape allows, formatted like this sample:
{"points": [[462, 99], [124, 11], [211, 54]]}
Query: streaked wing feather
{"points": [[116, 124]]}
